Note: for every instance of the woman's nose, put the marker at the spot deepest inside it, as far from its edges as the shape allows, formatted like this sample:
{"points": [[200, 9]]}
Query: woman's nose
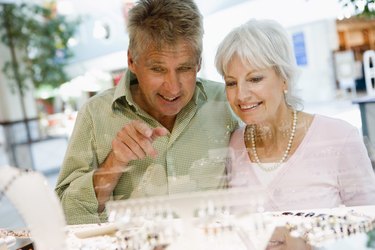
{"points": [[243, 93]]}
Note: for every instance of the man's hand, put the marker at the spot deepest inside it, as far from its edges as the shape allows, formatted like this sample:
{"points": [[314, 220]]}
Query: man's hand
{"points": [[132, 142]]}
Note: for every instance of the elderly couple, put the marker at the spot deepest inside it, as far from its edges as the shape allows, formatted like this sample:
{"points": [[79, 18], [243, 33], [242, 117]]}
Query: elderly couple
{"points": [[153, 133]]}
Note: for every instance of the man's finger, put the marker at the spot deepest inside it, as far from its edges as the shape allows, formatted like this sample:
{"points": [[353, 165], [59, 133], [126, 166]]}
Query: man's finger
{"points": [[142, 128], [159, 131]]}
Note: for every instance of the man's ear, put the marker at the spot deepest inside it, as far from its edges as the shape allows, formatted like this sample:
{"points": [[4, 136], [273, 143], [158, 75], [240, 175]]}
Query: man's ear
{"points": [[199, 64], [130, 62]]}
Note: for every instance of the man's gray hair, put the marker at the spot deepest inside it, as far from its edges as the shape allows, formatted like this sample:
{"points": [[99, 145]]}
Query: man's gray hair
{"points": [[160, 23]]}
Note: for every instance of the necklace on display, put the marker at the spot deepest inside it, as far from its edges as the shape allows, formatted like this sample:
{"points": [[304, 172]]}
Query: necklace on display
{"points": [[287, 151], [8, 184]]}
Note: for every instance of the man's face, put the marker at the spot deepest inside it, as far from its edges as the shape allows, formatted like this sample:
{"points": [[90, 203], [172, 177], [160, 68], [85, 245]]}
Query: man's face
{"points": [[167, 80]]}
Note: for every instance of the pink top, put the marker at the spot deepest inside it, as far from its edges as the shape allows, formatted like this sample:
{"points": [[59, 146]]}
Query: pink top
{"points": [[329, 168]]}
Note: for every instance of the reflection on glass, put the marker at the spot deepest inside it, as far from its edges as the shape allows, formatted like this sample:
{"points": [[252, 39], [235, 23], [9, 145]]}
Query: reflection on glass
{"points": [[214, 219], [282, 240]]}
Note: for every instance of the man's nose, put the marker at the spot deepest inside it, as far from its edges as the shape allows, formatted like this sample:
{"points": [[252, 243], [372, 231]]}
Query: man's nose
{"points": [[172, 82]]}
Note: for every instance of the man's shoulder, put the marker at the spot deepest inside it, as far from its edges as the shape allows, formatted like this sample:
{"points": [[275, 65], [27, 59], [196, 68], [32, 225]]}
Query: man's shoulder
{"points": [[212, 89], [211, 83], [100, 100]]}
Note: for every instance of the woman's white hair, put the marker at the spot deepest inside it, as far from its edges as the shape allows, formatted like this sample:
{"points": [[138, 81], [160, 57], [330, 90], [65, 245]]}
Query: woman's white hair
{"points": [[262, 44]]}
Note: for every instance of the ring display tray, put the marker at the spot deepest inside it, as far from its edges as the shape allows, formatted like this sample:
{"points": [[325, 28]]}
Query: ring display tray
{"points": [[216, 219]]}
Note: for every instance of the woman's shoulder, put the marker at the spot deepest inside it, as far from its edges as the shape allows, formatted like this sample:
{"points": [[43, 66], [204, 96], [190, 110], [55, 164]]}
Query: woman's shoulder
{"points": [[237, 137], [330, 127], [239, 132], [332, 123]]}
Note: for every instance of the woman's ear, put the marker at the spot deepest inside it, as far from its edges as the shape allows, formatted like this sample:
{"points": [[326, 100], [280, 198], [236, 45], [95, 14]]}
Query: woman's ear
{"points": [[285, 87]]}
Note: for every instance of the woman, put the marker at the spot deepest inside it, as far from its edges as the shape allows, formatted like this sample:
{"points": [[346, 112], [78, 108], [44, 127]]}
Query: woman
{"points": [[302, 160]]}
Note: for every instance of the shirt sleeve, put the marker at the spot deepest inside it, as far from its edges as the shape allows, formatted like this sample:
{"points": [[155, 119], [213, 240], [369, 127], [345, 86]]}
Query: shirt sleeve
{"points": [[75, 183], [356, 174]]}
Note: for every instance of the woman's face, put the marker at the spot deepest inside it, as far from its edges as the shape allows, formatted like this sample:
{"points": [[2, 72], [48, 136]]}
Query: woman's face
{"points": [[255, 95]]}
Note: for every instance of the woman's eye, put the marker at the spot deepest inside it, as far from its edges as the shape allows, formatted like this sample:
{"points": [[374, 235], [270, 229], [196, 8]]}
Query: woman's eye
{"points": [[255, 79]]}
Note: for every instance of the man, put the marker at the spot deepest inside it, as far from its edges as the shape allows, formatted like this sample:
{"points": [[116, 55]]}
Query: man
{"points": [[153, 133]]}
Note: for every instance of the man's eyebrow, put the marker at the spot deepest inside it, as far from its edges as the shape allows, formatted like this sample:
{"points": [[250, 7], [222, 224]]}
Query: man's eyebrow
{"points": [[188, 64], [152, 62]]}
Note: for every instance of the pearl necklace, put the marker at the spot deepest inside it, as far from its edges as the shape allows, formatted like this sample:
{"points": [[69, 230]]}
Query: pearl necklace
{"points": [[286, 153]]}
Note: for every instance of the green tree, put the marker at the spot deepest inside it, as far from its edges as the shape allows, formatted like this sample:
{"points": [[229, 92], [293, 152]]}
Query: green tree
{"points": [[38, 39]]}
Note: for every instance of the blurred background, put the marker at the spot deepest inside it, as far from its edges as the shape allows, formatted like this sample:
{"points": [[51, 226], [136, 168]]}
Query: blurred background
{"points": [[54, 55]]}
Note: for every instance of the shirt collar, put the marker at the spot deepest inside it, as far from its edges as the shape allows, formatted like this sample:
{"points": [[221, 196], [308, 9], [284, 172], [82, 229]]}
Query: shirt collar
{"points": [[123, 94]]}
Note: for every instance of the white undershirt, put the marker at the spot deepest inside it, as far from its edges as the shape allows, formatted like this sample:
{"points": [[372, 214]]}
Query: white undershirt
{"points": [[265, 177]]}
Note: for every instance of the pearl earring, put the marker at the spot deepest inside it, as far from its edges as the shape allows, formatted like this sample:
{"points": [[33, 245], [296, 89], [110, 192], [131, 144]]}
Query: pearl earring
{"points": [[285, 91]]}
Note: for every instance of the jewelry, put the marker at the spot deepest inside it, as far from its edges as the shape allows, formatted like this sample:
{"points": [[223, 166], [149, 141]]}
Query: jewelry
{"points": [[317, 228], [286, 153], [10, 233], [10, 182], [18, 234]]}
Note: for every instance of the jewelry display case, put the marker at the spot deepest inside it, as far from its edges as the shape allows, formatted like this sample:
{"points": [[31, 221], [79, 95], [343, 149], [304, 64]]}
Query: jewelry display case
{"points": [[217, 219]]}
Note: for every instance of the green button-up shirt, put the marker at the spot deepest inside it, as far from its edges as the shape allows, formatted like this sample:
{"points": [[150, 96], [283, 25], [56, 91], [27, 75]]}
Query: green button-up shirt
{"points": [[191, 157]]}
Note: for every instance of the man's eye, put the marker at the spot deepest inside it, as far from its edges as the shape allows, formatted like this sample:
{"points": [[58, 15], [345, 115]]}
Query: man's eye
{"points": [[184, 69], [230, 84], [157, 69]]}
